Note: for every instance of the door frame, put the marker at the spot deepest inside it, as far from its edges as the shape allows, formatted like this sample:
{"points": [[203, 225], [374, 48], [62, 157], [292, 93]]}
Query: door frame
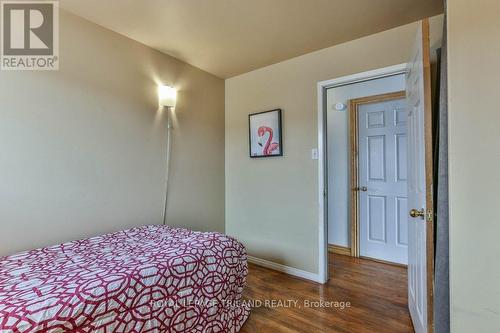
{"points": [[322, 87], [354, 160]]}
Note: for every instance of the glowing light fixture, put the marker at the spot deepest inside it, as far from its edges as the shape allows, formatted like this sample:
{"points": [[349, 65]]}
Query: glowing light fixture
{"points": [[167, 96]]}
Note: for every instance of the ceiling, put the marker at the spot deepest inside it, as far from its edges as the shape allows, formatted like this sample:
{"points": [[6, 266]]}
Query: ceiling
{"points": [[231, 37]]}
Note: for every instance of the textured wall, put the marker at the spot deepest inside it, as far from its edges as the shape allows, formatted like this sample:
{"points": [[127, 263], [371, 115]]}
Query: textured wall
{"points": [[474, 161], [83, 148]]}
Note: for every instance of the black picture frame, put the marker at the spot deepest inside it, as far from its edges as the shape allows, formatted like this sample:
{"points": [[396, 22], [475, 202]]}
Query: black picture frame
{"points": [[279, 137]]}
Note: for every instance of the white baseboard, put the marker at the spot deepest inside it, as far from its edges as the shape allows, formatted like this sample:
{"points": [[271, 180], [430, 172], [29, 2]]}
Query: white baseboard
{"points": [[285, 269]]}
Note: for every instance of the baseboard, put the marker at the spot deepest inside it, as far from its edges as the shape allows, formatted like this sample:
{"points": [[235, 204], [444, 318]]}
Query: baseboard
{"points": [[337, 249], [284, 269]]}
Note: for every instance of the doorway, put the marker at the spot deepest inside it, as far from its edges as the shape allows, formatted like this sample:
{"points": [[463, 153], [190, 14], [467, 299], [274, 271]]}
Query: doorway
{"points": [[342, 140], [394, 74]]}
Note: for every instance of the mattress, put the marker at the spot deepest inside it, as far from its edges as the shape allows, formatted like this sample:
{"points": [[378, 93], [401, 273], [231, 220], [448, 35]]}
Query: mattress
{"points": [[146, 279]]}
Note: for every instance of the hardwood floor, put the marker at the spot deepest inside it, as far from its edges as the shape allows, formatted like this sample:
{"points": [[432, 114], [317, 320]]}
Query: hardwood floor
{"points": [[377, 293]]}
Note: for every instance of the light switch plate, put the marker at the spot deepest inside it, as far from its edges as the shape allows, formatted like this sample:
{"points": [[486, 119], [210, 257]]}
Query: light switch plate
{"points": [[314, 154]]}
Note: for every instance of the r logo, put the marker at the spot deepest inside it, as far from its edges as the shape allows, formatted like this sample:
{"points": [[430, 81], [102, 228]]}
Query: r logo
{"points": [[28, 28]]}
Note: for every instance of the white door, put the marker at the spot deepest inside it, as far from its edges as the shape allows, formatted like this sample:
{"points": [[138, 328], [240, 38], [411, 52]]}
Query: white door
{"points": [[420, 236], [382, 128]]}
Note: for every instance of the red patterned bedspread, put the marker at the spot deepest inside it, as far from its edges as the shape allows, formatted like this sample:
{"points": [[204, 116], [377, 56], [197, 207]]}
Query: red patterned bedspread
{"points": [[146, 279]]}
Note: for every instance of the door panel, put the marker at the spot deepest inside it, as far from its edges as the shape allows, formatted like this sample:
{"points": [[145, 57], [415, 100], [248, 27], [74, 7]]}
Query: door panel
{"points": [[401, 158], [377, 218], [382, 137], [375, 119], [401, 116], [420, 232], [376, 158], [402, 224]]}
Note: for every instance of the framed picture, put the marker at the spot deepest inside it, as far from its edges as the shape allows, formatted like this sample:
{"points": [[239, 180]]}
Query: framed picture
{"points": [[265, 134]]}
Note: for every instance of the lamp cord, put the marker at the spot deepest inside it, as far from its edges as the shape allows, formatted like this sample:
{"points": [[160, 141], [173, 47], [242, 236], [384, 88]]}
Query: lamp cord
{"points": [[169, 147]]}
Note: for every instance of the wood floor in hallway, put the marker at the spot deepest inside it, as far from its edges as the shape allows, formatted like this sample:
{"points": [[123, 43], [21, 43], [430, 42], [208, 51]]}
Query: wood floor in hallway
{"points": [[377, 293]]}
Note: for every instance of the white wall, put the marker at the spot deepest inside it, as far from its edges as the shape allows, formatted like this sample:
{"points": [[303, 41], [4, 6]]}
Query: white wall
{"points": [[474, 164], [339, 186], [82, 149]]}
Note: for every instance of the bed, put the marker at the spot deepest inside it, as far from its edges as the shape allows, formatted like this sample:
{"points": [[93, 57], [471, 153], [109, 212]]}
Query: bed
{"points": [[146, 279]]}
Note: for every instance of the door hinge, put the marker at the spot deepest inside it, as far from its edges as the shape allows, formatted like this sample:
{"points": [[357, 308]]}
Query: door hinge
{"points": [[430, 215]]}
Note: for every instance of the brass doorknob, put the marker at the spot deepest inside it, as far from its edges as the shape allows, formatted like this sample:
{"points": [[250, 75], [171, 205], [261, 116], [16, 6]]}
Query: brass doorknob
{"points": [[417, 213], [362, 189]]}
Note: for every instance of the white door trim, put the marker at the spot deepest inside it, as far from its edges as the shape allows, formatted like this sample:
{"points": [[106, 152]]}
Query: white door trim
{"points": [[322, 169]]}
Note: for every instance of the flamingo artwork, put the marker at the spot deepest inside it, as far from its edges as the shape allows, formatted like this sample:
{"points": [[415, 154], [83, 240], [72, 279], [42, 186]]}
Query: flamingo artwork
{"points": [[269, 146], [265, 133]]}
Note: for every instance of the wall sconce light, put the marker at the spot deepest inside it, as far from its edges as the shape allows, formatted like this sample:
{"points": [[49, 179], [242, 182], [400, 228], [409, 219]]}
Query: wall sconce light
{"points": [[167, 96]]}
